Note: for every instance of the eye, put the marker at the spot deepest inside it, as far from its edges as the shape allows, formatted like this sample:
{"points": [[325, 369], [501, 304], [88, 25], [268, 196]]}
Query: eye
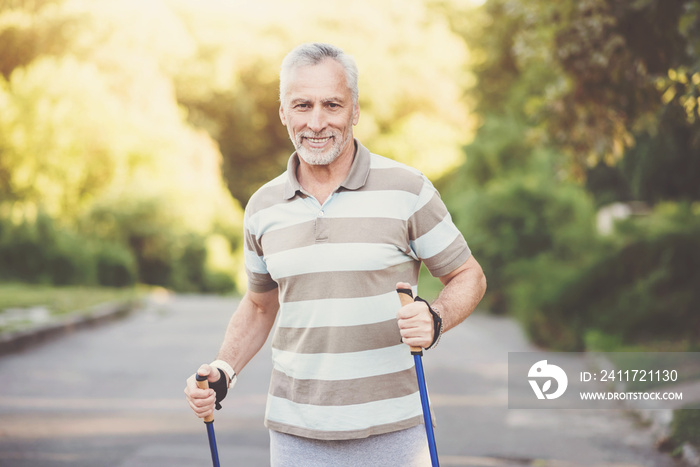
{"points": [[333, 105]]}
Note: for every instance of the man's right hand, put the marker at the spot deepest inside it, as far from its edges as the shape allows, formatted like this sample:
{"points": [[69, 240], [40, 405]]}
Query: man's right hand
{"points": [[202, 401]]}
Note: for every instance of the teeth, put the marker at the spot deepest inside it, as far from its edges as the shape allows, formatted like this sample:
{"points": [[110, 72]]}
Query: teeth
{"points": [[318, 140]]}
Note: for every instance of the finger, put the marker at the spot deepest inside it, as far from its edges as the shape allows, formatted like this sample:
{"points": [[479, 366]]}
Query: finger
{"points": [[198, 394], [416, 342], [416, 330], [412, 323], [408, 311], [417, 337], [415, 310], [203, 407], [203, 412], [421, 332], [192, 391], [214, 375], [204, 370]]}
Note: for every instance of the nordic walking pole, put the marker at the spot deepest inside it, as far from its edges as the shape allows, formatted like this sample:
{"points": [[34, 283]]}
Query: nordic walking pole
{"points": [[406, 297], [202, 383]]}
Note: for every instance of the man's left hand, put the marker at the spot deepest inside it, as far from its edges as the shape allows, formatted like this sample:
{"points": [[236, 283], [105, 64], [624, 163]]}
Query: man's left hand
{"points": [[415, 323]]}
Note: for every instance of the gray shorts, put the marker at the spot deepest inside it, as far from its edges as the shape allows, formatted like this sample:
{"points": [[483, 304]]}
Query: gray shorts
{"points": [[405, 448]]}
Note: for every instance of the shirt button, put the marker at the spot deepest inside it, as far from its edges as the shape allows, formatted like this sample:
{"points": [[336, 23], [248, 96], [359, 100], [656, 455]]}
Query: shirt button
{"points": [[320, 213]]}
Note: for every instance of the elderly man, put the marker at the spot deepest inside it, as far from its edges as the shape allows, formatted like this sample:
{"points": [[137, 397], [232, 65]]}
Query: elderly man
{"points": [[326, 245]]}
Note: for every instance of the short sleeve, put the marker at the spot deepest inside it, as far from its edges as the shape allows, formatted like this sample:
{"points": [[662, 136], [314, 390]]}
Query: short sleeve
{"points": [[433, 237], [259, 279]]}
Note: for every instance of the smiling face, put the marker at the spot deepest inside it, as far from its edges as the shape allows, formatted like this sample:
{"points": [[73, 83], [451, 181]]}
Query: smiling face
{"points": [[319, 114]]}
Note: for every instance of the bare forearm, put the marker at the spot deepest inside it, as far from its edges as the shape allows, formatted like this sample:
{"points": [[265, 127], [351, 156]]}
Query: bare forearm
{"points": [[247, 331], [462, 293]]}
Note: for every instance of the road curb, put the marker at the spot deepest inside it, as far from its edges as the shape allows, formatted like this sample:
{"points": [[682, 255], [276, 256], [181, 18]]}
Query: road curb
{"points": [[20, 340]]}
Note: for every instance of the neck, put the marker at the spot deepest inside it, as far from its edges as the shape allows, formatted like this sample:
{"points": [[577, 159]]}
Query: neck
{"points": [[322, 180]]}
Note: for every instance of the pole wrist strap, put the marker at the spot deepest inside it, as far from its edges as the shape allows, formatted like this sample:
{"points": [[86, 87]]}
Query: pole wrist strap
{"points": [[437, 324], [226, 380]]}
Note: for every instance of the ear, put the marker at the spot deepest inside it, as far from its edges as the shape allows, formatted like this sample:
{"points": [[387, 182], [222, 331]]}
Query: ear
{"points": [[283, 119], [356, 114]]}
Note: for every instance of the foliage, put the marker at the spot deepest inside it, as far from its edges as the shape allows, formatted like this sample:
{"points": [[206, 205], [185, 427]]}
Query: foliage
{"points": [[37, 251], [515, 210], [90, 122], [619, 57], [594, 77], [664, 164], [169, 250], [40, 251], [685, 426], [653, 88], [511, 198], [639, 289], [599, 90], [116, 266]]}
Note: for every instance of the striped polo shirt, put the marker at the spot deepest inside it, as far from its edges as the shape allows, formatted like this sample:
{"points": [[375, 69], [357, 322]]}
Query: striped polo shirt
{"points": [[340, 370]]}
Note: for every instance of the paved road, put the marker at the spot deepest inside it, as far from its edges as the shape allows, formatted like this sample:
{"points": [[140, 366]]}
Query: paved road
{"points": [[112, 396]]}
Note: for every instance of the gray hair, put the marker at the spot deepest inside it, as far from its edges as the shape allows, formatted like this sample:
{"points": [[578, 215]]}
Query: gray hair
{"points": [[312, 53]]}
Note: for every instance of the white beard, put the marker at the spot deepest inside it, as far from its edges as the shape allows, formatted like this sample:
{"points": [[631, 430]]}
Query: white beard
{"points": [[320, 157]]}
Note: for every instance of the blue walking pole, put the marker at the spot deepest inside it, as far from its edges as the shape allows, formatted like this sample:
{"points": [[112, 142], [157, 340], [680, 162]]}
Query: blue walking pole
{"points": [[202, 383], [406, 296]]}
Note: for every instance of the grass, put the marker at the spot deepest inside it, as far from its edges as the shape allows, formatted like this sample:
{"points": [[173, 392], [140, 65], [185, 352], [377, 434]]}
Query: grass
{"points": [[59, 301]]}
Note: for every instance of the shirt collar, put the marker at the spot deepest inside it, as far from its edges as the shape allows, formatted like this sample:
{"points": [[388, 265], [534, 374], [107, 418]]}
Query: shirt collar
{"points": [[359, 171]]}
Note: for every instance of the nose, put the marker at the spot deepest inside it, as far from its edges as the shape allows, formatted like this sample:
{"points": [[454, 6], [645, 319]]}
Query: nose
{"points": [[317, 121]]}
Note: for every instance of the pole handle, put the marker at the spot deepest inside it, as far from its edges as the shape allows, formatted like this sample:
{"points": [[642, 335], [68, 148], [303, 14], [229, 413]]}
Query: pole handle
{"points": [[202, 383], [406, 297]]}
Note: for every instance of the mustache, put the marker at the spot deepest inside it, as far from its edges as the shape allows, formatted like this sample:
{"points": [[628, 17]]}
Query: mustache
{"points": [[311, 134]]}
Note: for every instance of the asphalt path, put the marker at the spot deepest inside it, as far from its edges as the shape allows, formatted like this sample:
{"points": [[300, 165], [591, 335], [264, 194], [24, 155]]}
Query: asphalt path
{"points": [[113, 396]]}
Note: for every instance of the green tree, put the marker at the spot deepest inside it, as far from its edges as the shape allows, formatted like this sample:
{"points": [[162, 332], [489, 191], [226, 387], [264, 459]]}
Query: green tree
{"points": [[608, 92]]}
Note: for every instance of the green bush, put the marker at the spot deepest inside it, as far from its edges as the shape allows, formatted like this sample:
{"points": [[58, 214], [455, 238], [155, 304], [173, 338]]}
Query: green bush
{"points": [[70, 260], [40, 252], [116, 266], [165, 251], [685, 427], [535, 237], [535, 293], [514, 221], [188, 263], [511, 205], [139, 243], [218, 282], [641, 289], [19, 256]]}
